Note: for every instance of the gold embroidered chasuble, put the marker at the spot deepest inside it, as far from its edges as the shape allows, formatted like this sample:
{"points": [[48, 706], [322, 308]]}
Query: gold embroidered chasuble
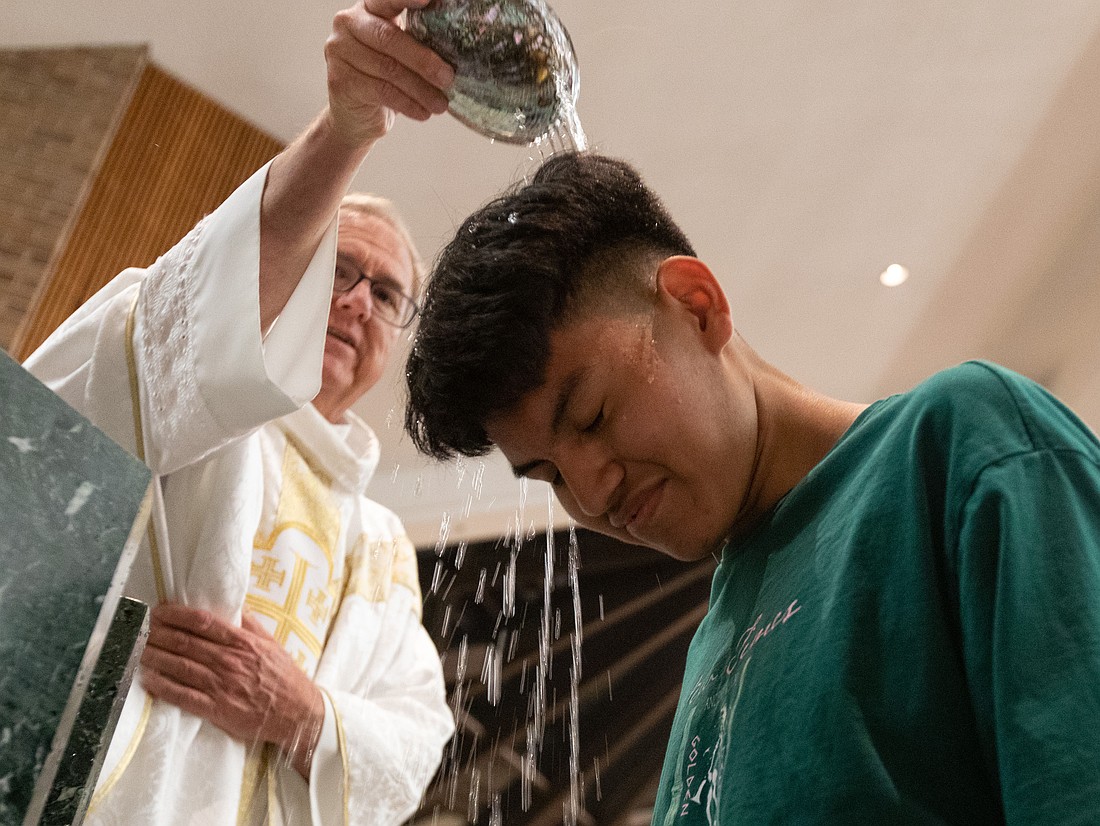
{"points": [[214, 398]]}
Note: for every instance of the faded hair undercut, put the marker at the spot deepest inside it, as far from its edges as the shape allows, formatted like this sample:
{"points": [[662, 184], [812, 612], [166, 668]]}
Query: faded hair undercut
{"points": [[516, 270]]}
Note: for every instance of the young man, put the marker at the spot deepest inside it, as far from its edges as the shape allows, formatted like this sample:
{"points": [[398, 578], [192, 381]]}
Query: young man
{"points": [[287, 678], [905, 623]]}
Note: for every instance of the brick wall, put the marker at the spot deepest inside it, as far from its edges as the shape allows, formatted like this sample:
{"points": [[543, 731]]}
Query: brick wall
{"points": [[58, 111], [174, 156]]}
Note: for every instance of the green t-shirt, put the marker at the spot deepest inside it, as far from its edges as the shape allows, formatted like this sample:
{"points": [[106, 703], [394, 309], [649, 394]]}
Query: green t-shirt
{"points": [[912, 635]]}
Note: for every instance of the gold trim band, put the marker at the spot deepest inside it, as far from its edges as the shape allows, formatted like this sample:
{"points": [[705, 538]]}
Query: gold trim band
{"points": [[341, 738], [127, 756]]}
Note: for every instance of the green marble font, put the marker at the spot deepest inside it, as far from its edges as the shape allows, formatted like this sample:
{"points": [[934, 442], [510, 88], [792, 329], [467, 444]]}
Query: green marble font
{"points": [[73, 506]]}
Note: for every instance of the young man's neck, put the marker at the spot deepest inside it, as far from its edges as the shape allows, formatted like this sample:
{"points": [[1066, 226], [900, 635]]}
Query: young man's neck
{"points": [[797, 427]]}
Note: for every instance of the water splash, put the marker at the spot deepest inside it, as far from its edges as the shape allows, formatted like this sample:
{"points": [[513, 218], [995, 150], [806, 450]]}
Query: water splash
{"points": [[508, 596], [437, 577], [479, 596], [475, 786], [537, 699], [566, 134], [444, 529], [542, 681], [479, 479], [496, 670], [440, 547], [491, 671], [446, 624], [575, 790], [528, 773], [575, 588]]}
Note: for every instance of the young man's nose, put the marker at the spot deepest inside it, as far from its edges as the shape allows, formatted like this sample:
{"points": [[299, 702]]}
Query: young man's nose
{"points": [[592, 479]]}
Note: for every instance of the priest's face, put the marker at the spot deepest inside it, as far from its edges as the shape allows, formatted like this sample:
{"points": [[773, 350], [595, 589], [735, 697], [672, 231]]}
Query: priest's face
{"points": [[360, 338]]}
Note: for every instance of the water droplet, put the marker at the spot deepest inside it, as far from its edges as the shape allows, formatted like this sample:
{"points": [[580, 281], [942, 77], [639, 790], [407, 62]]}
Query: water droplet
{"points": [[444, 529], [475, 787], [446, 621], [479, 477], [480, 595]]}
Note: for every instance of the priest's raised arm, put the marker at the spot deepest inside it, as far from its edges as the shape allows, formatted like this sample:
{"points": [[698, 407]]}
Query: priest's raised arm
{"points": [[288, 677]]}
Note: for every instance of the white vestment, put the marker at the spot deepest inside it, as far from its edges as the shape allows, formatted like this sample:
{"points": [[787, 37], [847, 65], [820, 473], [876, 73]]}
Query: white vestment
{"points": [[262, 504]]}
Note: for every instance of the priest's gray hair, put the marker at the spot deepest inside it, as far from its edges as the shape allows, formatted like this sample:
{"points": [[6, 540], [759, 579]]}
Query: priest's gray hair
{"points": [[368, 204]]}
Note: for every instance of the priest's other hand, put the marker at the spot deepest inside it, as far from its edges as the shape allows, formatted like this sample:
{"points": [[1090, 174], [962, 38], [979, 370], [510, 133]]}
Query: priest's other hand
{"points": [[376, 70], [238, 678]]}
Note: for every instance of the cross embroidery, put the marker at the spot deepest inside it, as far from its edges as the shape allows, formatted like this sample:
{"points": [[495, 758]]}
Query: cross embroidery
{"points": [[266, 573], [318, 603]]}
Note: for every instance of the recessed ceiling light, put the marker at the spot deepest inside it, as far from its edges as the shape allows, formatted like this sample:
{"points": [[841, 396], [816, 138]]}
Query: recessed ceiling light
{"points": [[894, 275]]}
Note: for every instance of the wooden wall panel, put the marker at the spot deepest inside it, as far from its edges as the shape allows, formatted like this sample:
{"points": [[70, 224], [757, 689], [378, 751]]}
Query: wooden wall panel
{"points": [[176, 156]]}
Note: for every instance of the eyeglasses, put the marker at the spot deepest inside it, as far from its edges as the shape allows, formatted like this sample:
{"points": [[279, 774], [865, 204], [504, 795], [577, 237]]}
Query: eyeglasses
{"points": [[392, 305]]}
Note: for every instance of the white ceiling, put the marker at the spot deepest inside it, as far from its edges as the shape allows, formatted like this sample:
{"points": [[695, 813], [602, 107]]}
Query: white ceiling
{"points": [[803, 145]]}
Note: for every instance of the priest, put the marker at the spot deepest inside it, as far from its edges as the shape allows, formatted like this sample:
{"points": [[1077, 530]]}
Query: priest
{"points": [[287, 677]]}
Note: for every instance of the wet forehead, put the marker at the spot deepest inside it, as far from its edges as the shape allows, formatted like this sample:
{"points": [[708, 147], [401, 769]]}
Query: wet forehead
{"points": [[526, 434], [585, 356]]}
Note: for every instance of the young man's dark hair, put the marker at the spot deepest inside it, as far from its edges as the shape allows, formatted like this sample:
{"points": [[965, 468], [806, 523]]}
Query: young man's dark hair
{"points": [[518, 268]]}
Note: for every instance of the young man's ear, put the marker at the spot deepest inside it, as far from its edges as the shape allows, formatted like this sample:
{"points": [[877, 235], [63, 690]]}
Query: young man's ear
{"points": [[689, 282]]}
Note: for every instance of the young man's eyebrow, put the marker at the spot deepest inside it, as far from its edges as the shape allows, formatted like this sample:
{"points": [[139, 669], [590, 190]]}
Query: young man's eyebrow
{"points": [[568, 387]]}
